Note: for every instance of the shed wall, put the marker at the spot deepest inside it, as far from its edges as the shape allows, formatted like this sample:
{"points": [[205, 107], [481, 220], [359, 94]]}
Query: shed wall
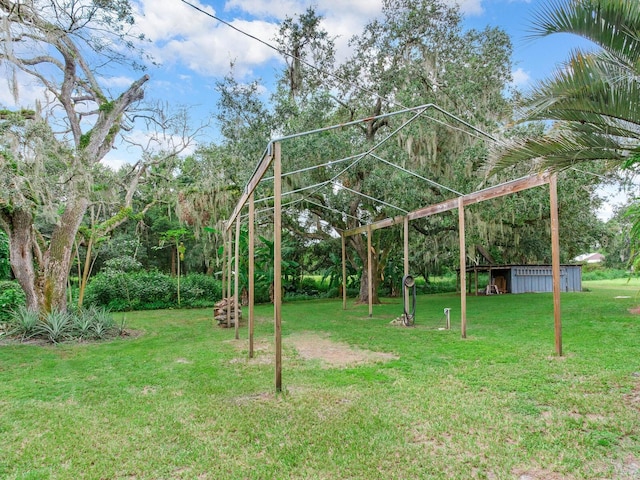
{"points": [[539, 278]]}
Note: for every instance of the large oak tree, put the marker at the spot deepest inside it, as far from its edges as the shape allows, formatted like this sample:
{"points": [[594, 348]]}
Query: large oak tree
{"points": [[49, 154]]}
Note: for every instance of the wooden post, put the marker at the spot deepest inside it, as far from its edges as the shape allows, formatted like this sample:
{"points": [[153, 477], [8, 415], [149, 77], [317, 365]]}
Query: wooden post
{"points": [[406, 246], [344, 273], [229, 278], [277, 261], [370, 270], [463, 270], [236, 282], [555, 261], [252, 284], [224, 266]]}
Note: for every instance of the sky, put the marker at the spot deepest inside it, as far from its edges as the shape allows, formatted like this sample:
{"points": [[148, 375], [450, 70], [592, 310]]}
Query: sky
{"points": [[194, 51]]}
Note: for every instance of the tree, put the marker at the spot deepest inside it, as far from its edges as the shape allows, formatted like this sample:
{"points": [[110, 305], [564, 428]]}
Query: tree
{"points": [[592, 99], [51, 154], [416, 54]]}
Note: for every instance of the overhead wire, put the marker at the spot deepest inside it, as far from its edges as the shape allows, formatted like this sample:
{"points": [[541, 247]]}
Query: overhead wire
{"points": [[353, 84], [330, 74]]}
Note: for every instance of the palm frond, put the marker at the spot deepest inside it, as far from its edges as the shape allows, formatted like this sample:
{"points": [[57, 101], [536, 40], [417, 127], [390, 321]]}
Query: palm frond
{"points": [[611, 24], [560, 150]]}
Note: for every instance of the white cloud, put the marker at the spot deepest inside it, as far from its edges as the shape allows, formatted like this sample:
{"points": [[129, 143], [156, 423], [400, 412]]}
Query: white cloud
{"points": [[469, 7], [521, 78], [185, 37], [28, 90], [121, 82]]}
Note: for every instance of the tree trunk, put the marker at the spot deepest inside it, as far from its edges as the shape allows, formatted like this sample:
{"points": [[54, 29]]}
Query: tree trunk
{"points": [[360, 247], [21, 255], [57, 259]]}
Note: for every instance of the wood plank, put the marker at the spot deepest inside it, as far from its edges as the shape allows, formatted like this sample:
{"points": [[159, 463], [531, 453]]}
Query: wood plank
{"points": [[406, 246], [370, 271], [344, 273], [277, 262], [489, 193], [555, 262], [224, 266], [463, 269], [236, 293], [252, 269], [262, 168], [229, 278]]}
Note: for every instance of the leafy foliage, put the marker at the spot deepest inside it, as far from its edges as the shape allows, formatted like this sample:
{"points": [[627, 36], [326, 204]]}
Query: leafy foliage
{"points": [[93, 323], [11, 297], [23, 322], [592, 98], [120, 291]]}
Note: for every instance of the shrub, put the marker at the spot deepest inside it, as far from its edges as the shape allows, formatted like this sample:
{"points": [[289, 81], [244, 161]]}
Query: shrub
{"points": [[197, 288], [11, 297], [23, 322], [119, 291], [56, 326], [597, 272], [89, 323]]}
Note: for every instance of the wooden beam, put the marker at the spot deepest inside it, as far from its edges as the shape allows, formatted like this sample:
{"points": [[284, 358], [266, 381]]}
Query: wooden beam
{"points": [[252, 270], [370, 271], [262, 168], [406, 246], [387, 222], [236, 281], [463, 270], [229, 279], [497, 191], [344, 273], [277, 262], [224, 266], [555, 261]]}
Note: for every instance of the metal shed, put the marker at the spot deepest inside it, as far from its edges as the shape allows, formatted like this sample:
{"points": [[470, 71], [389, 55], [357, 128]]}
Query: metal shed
{"points": [[528, 278]]}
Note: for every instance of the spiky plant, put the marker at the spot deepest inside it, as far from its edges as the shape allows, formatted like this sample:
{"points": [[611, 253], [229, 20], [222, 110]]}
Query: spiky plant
{"points": [[23, 323]]}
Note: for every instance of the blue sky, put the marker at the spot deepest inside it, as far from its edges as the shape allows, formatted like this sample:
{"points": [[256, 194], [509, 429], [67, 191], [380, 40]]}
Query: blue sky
{"points": [[195, 50]]}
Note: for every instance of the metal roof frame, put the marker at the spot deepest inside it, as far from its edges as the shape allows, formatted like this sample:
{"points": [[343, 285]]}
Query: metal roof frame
{"points": [[272, 156]]}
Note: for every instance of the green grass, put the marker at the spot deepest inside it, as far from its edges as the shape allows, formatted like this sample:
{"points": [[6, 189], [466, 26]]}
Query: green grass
{"points": [[182, 401]]}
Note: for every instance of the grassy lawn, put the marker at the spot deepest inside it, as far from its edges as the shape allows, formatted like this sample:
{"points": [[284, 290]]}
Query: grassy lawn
{"points": [[181, 400]]}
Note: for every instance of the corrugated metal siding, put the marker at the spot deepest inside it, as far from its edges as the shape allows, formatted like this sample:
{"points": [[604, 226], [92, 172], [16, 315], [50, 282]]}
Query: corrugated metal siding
{"points": [[539, 278]]}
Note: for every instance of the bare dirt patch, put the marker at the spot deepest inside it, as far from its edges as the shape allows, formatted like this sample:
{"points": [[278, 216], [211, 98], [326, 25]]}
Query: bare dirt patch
{"points": [[538, 474], [311, 346]]}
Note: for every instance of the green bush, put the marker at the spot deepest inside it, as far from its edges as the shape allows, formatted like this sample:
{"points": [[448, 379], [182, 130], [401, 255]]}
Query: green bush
{"points": [[56, 327], [120, 291], [197, 288], [11, 298], [598, 272]]}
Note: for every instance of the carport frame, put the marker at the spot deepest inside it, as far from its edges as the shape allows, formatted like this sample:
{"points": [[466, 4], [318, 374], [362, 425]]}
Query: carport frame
{"points": [[272, 158]]}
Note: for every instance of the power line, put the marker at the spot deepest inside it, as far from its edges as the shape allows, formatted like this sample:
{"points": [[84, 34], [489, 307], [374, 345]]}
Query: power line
{"points": [[301, 60], [330, 74]]}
